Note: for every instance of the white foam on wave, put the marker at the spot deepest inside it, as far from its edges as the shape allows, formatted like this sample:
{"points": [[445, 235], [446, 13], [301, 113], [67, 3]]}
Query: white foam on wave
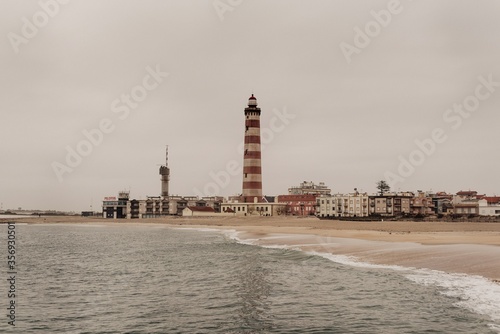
{"points": [[200, 229], [494, 327], [234, 235], [474, 293], [342, 259], [355, 262]]}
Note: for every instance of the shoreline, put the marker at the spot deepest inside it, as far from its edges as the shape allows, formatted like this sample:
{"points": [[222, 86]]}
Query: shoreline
{"points": [[469, 248]]}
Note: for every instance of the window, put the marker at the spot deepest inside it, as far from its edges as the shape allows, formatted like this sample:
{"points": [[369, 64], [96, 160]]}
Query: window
{"points": [[239, 208], [245, 175], [266, 208]]}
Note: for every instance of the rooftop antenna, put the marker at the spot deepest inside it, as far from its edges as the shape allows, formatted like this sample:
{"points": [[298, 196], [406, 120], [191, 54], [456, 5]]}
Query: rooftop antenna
{"points": [[166, 156]]}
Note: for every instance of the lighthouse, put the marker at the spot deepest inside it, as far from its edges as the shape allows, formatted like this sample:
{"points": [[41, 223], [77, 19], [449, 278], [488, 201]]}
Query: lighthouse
{"points": [[252, 170]]}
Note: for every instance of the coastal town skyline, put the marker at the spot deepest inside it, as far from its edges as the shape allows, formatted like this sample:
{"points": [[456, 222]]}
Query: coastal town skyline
{"points": [[350, 94]]}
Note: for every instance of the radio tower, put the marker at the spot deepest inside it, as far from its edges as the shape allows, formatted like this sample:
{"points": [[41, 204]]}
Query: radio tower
{"points": [[165, 176], [252, 171]]}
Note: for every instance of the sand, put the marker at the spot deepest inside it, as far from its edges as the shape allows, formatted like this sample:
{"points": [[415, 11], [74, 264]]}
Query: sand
{"points": [[463, 247]]}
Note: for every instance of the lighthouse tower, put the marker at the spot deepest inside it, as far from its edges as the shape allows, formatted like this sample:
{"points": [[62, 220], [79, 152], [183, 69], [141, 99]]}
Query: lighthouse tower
{"points": [[252, 171]]}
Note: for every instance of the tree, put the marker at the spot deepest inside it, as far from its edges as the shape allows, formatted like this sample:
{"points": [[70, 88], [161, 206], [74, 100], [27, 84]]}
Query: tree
{"points": [[383, 187]]}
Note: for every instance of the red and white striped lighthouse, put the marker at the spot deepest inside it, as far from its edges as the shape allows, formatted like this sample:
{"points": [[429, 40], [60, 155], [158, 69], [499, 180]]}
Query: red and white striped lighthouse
{"points": [[252, 170]]}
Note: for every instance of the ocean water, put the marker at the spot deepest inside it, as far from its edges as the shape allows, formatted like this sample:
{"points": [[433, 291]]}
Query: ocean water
{"points": [[154, 279]]}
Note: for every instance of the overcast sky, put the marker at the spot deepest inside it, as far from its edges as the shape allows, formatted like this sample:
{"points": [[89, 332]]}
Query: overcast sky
{"points": [[339, 106]]}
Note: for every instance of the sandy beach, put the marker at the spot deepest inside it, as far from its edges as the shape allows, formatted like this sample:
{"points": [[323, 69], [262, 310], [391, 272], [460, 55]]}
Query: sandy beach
{"points": [[463, 247]]}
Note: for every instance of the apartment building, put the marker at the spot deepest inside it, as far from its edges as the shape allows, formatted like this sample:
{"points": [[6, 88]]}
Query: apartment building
{"points": [[342, 205]]}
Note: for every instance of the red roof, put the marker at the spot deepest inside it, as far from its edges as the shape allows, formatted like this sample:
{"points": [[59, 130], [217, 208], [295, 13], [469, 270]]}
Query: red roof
{"points": [[252, 97], [492, 199], [467, 193], [201, 208]]}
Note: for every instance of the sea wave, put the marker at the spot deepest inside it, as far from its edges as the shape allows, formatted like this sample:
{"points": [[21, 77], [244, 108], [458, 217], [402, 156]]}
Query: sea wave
{"points": [[200, 229], [474, 293]]}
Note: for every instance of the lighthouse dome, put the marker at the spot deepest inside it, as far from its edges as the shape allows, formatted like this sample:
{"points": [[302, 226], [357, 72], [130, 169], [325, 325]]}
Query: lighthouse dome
{"points": [[252, 101]]}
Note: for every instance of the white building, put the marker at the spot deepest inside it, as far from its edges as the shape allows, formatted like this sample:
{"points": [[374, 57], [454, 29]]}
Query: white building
{"points": [[253, 209], [342, 205], [466, 203], [309, 188], [489, 208]]}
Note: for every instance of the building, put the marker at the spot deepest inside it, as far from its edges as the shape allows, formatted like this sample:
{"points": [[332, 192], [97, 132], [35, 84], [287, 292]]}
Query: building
{"points": [[442, 203], [343, 205], [391, 204], [156, 206], [299, 205], [489, 206], [466, 203], [267, 207], [309, 188], [467, 207], [253, 209], [252, 169], [89, 214], [116, 207], [151, 207], [198, 211], [422, 205], [465, 195]]}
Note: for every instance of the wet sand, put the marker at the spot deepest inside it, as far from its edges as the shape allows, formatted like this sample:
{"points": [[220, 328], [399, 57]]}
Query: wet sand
{"points": [[463, 247]]}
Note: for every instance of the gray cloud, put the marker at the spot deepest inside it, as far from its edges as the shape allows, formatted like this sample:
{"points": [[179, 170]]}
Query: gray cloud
{"points": [[352, 120]]}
